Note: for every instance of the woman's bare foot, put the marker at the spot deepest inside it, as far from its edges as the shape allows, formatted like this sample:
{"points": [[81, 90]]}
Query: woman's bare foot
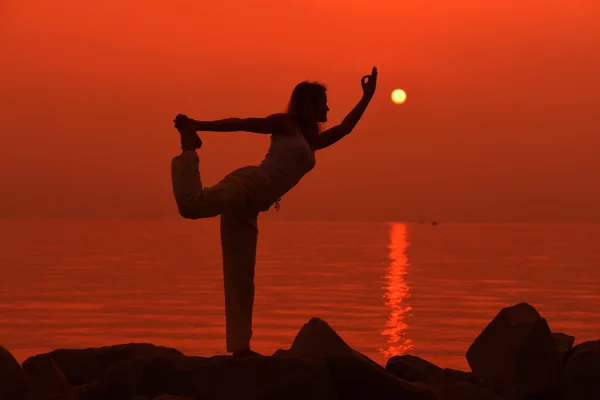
{"points": [[189, 138], [246, 353]]}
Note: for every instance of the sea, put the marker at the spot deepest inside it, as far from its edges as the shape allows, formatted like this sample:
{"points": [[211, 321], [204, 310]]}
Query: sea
{"points": [[387, 288]]}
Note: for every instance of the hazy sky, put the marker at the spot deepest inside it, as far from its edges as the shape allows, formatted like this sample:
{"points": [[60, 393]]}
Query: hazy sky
{"points": [[502, 120]]}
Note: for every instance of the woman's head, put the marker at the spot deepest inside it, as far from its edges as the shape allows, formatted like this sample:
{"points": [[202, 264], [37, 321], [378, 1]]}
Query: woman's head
{"points": [[308, 104]]}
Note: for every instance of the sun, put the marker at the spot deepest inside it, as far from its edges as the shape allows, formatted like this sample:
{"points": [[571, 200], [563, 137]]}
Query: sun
{"points": [[398, 96]]}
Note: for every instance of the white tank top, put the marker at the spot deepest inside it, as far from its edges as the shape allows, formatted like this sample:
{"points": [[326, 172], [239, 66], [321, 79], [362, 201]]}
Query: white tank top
{"points": [[288, 159]]}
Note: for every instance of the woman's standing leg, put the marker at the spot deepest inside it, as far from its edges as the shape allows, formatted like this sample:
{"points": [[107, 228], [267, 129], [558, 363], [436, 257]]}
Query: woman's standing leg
{"points": [[239, 237]]}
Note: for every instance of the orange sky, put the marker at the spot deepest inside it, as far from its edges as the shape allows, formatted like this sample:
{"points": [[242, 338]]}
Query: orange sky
{"points": [[501, 121]]}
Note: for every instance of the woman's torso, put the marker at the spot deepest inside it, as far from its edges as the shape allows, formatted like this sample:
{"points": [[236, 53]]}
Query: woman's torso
{"points": [[288, 159]]}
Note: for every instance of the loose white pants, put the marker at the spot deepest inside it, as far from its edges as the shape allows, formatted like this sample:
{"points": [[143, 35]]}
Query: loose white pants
{"points": [[239, 234]]}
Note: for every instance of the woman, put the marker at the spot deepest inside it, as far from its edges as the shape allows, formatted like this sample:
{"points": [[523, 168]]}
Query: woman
{"points": [[241, 195]]}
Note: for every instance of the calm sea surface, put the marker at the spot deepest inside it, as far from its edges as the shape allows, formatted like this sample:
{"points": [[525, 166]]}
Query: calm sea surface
{"points": [[386, 288]]}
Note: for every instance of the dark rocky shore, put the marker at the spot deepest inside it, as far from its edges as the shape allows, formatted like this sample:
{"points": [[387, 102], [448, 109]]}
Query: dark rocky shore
{"points": [[515, 357]]}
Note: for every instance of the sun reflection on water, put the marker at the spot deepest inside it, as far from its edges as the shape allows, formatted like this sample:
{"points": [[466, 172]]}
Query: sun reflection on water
{"points": [[396, 294]]}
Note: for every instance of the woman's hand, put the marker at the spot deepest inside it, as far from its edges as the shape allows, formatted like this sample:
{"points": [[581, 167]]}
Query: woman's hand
{"points": [[369, 82]]}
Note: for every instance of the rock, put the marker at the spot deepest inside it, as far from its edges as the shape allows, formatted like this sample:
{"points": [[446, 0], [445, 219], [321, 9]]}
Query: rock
{"points": [[487, 384], [517, 352], [581, 372], [589, 345], [81, 366], [171, 397], [354, 375], [48, 382], [409, 369], [260, 378], [466, 391], [414, 369], [90, 391], [13, 380], [563, 343]]}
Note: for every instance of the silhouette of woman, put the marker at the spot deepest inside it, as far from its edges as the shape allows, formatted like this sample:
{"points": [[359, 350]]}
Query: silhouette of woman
{"points": [[241, 195]]}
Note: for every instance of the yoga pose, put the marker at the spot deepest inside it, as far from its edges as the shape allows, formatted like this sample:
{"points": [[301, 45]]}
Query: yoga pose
{"points": [[241, 195]]}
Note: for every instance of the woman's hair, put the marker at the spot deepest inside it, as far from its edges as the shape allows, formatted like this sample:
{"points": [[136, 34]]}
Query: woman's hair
{"points": [[304, 97]]}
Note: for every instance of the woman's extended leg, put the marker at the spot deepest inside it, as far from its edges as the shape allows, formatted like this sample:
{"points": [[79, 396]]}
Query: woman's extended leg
{"points": [[194, 201], [239, 236]]}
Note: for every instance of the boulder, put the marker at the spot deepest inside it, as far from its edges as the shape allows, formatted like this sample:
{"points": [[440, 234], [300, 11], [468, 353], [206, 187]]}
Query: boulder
{"points": [[415, 369], [466, 391], [517, 352], [563, 343], [581, 372], [82, 366], [13, 380], [90, 391], [354, 375], [48, 382], [260, 378], [589, 345]]}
